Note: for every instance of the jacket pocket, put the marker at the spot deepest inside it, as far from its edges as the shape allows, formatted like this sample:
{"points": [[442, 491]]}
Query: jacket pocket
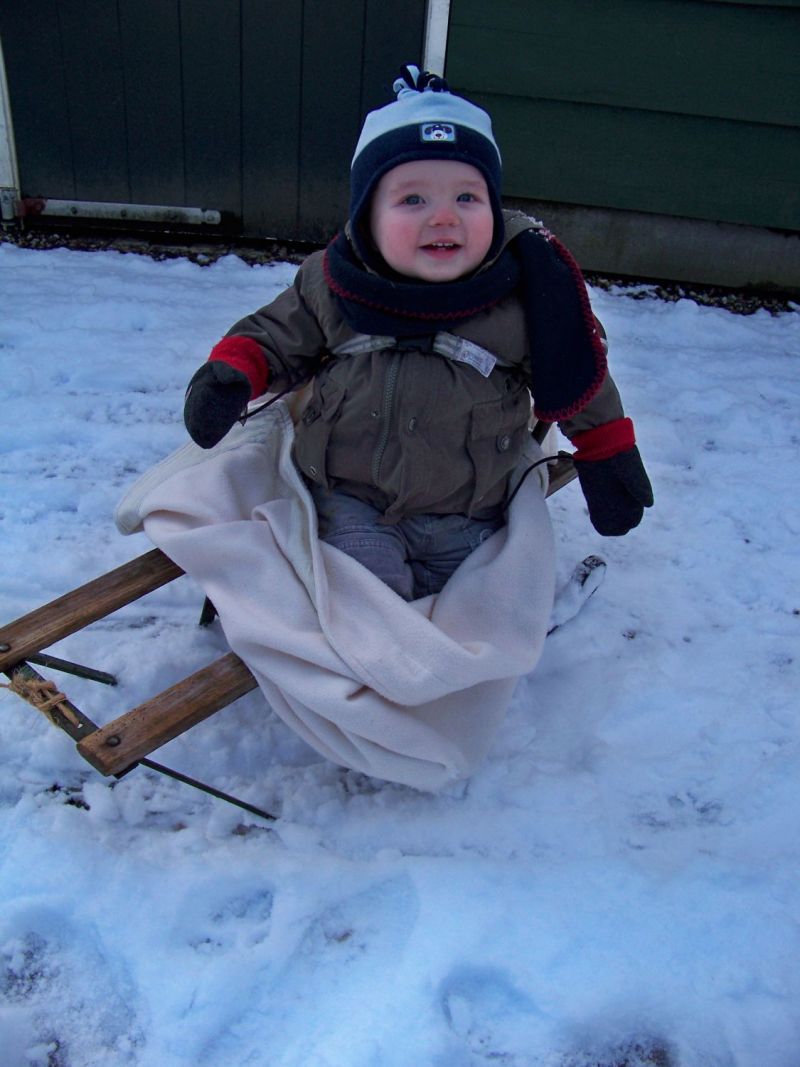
{"points": [[498, 431], [313, 432]]}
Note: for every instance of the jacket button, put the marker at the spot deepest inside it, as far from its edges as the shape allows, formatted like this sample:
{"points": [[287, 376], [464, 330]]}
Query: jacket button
{"points": [[412, 424], [503, 443], [312, 471]]}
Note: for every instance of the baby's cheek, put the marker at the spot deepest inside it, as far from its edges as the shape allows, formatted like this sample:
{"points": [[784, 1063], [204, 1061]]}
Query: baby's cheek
{"points": [[485, 234], [395, 242]]}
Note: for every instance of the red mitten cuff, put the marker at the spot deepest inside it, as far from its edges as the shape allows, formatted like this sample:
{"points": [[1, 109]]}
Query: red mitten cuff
{"points": [[602, 442], [244, 354]]}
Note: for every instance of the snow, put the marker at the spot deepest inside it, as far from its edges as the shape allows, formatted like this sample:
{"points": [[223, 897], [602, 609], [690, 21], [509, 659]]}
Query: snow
{"points": [[619, 883]]}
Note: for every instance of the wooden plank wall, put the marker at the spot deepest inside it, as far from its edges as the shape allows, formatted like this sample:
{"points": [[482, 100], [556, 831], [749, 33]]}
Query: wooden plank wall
{"points": [[251, 107], [677, 107]]}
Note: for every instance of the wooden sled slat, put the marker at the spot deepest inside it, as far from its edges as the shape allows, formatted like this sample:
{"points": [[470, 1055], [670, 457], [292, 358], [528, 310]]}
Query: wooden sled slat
{"points": [[561, 473], [90, 602], [115, 747]]}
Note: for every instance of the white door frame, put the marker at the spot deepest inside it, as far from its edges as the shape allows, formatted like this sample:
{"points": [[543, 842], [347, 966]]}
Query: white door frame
{"points": [[437, 20], [9, 175]]}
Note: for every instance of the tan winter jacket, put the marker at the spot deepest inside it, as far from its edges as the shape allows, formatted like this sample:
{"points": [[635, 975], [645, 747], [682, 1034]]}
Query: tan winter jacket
{"points": [[408, 431]]}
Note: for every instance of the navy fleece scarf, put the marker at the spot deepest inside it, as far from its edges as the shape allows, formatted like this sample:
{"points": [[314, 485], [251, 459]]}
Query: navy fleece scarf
{"points": [[568, 362]]}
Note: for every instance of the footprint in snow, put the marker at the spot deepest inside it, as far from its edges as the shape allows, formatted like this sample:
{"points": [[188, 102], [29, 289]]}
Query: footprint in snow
{"points": [[495, 1019], [501, 1024], [60, 998]]}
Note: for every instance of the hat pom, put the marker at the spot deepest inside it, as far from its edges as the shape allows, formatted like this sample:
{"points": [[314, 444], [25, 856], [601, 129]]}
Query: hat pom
{"points": [[411, 79]]}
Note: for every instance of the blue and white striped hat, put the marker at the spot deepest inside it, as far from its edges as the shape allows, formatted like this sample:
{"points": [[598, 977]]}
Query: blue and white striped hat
{"points": [[426, 121]]}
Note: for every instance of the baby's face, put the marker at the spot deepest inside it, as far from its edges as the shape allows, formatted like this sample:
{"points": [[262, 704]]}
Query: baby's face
{"points": [[432, 219]]}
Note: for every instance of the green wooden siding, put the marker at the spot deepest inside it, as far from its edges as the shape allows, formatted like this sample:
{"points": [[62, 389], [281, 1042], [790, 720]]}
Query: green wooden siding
{"points": [[251, 107], [675, 107]]}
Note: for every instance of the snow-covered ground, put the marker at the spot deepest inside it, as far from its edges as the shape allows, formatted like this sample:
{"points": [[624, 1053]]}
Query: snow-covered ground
{"points": [[621, 874]]}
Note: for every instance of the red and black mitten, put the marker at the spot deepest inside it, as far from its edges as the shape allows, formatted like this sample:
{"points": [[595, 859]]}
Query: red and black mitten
{"points": [[612, 477], [219, 391]]}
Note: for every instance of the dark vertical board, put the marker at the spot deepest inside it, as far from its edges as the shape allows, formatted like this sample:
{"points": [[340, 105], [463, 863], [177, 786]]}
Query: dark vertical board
{"points": [[387, 46], [330, 111], [271, 69], [151, 62], [211, 60], [38, 97], [304, 102], [96, 94], [351, 52]]}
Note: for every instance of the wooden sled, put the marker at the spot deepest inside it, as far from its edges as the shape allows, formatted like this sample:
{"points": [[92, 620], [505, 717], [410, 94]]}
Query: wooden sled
{"points": [[124, 742]]}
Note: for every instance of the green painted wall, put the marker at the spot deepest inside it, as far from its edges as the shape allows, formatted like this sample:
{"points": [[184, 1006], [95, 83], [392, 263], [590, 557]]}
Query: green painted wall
{"points": [[677, 107], [251, 107]]}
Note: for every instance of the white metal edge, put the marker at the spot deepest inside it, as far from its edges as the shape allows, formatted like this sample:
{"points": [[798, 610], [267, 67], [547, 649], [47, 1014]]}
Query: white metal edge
{"points": [[437, 21], [95, 209], [9, 176]]}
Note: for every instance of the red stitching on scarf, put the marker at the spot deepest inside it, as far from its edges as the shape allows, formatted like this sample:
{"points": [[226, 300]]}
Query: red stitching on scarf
{"points": [[601, 363], [434, 316]]}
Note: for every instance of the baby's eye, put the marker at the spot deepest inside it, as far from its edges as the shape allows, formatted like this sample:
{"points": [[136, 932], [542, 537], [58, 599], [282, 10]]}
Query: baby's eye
{"points": [[466, 198], [412, 199]]}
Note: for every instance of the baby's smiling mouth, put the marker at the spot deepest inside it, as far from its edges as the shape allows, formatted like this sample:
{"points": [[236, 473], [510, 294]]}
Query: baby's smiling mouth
{"points": [[437, 246]]}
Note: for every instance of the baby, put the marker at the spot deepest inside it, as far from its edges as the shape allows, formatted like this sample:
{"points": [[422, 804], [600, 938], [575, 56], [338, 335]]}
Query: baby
{"points": [[429, 327]]}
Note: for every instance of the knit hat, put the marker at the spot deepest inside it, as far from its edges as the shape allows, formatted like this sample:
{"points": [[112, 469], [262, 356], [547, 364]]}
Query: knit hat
{"points": [[426, 121]]}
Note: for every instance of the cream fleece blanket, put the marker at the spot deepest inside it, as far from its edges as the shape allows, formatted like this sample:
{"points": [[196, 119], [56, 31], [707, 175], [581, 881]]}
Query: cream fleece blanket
{"points": [[407, 692]]}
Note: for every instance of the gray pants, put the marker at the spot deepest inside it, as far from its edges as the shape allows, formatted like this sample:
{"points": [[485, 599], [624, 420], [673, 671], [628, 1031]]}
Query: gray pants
{"points": [[414, 557]]}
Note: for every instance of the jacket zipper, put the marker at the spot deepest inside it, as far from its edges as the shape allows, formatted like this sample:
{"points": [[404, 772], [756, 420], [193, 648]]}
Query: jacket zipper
{"points": [[386, 410]]}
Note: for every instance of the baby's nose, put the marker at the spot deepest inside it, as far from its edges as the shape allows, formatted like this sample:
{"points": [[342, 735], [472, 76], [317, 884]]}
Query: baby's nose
{"points": [[443, 214]]}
